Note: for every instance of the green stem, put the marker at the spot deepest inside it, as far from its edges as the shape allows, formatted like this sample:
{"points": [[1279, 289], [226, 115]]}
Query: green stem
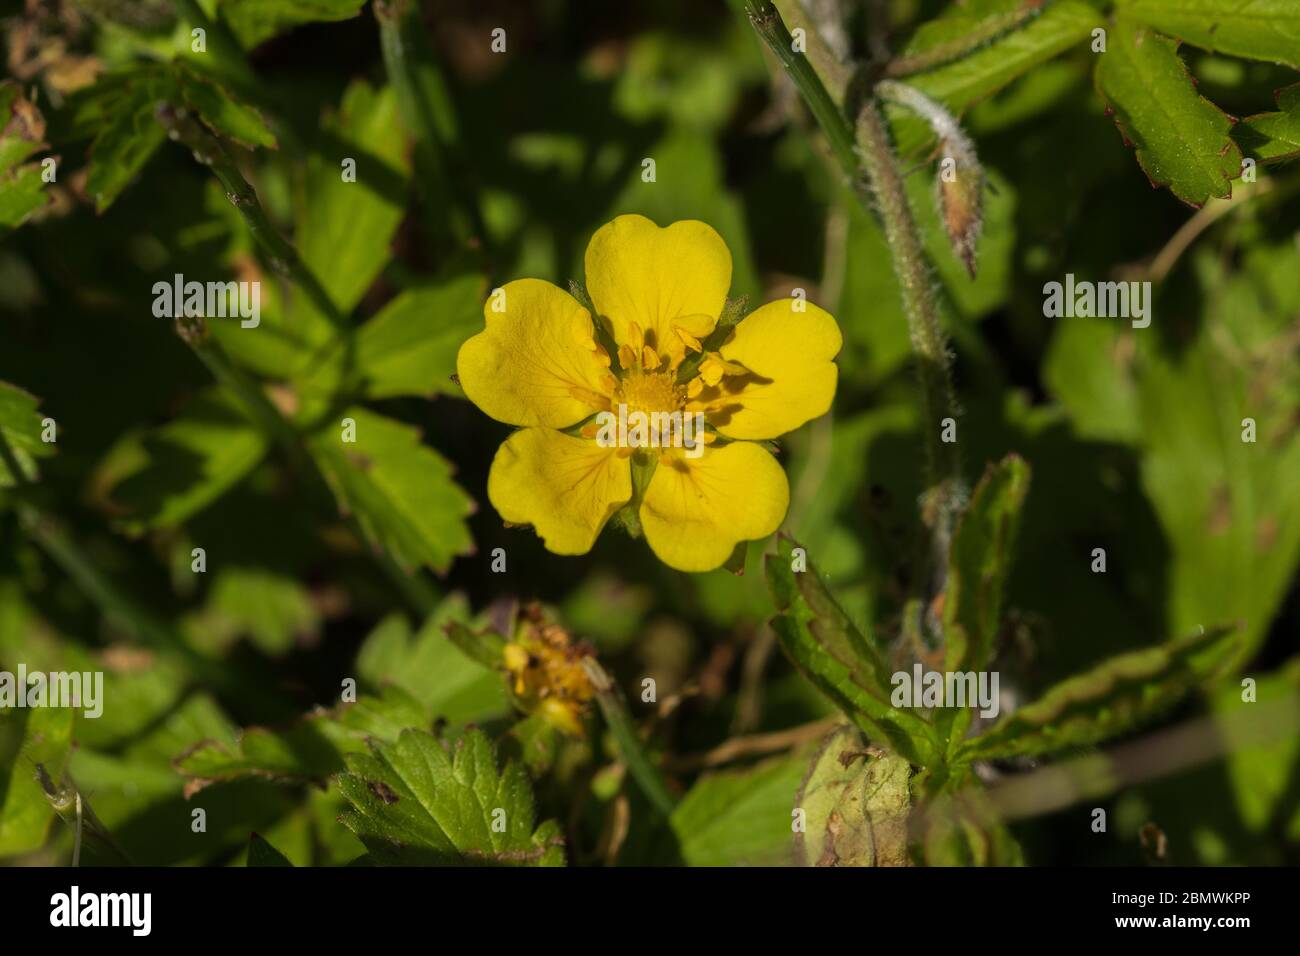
{"points": [[874, 154], [943, 465], [427, 111], [771, 28], [284, 258], [620, 724]]}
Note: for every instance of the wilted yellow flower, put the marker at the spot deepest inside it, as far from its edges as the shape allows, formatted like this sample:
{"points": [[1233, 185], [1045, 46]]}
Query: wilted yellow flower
{"points": [[540, 364], [546, 675]]}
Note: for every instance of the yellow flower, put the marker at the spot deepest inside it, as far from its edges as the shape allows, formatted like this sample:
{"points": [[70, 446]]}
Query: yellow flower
{"points": [[540, 364]]}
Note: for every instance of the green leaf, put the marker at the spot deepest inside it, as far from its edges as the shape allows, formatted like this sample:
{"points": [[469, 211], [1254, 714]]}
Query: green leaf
{"points": [[220, 111], [400, 490], [962, 83], [1182, 139], [740, 817], [165, 477], [308, 750], [433, 670], [1261, 775], [1105, 701], [413, 803], [122, 148], [1254, 29], [1271, 137], [261, 853], [410, 347], [254, 21], [272, 608], [828, 650], [346, 227], [856, 804], [20, 433], [978, 564], [122, 106], [31, 736], [22, 134]]}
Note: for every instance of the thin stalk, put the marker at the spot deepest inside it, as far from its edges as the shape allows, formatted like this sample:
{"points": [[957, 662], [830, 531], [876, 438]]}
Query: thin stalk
{"points": [[284, 258], [620, 724], [872, 154], [72, 807], [427, 111], [928, 342], [771, 28]]}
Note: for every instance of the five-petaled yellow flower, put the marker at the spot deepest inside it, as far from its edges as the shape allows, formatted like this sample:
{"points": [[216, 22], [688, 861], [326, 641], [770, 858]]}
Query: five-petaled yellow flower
{"points": [[539, 364]]}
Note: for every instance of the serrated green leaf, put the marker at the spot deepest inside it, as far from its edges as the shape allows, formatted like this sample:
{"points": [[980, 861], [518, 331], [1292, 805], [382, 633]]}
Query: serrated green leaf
{"points": [[1105, 701], [127, 135], [308, 750], [856, 804], [261, 853], [1254, 29], [20, 431], [1182, 139], [740, 817], [254, 21], [431, 668], [166, 476], [121, 109], [410, 347], [979, 561], [400, 490], [1271, 137], [827, 649], [414, 803]]}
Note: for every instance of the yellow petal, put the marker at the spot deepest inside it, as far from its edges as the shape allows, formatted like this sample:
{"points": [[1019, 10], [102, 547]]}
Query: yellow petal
{"points": [[565, 487], [536, 362], [791, 376], [696, 511], [658, 279]]}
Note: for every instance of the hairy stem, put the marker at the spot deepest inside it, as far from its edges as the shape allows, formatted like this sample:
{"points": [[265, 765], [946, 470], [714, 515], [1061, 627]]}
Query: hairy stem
{"points": [[928, 342], [873, 154]]}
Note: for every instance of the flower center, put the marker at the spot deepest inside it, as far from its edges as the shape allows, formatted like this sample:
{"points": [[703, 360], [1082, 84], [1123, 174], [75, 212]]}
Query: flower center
{"points": [[650, 392]]}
